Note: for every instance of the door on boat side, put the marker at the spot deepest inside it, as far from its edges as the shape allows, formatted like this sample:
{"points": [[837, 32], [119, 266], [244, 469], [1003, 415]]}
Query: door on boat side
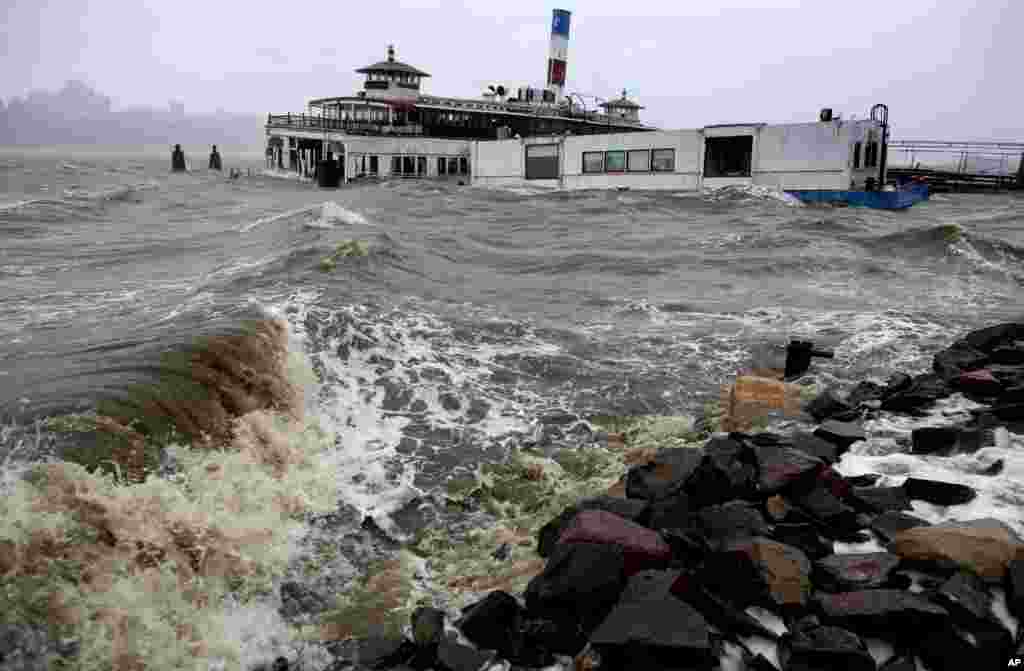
{"points": [[542, 161]]}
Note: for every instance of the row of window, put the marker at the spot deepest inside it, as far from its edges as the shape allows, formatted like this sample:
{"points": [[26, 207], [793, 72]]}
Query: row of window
{"points": [[417, 165], [634, 160], [402, 77]]}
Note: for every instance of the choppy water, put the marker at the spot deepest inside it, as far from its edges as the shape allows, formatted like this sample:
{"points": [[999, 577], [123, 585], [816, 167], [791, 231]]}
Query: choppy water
{"points": [[475, 310]]}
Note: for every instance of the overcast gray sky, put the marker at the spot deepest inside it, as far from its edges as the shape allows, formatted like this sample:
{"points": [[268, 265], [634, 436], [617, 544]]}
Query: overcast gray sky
{"points": [[947, 70]]}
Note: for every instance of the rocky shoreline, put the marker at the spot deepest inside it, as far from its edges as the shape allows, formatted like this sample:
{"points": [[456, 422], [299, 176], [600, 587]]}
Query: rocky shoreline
{"points": [[668, 569]]}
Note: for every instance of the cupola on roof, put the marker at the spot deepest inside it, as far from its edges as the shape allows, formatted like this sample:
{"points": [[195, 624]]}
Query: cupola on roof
{"points": [[622, 103], [391, 65]]}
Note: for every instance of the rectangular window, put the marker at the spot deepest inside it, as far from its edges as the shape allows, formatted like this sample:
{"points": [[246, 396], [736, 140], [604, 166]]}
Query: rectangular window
{"points": [[728, 156], [396, 165], [373, 165], [421, 165], [593, 162], [639, 160], [542, 161], [463, 165], [441, 163], [856, 155], [408, 165], [615, 161], [663, 160], [453, 166]]}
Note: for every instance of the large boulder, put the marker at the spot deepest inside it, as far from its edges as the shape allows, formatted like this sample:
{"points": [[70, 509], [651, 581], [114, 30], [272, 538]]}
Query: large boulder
{"points": [[653, 632], [720, 612], [958, 358], [489, 623], [965, 595], [782, 468], [938, 492], [934, 439], [642, 548], [785, 569], [580, 582], [1014, 587], [877, 500], [453, 656], [945, 648], [887, 613], [727, 471], [852, 572], [730, 521], [630, 509], [841, 434], [835, 519], [989, 338], [815, 446], [826, 404], [863, 392], [984, 546], [824, 649], [664, 475], [803, 536], [922, 392]]}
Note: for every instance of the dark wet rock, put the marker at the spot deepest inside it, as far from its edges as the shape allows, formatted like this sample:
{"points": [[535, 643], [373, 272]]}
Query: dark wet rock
{"points": [[922, 391], [826, 404], [664, 475], [824, 649], [888, 524], [777, 508], [297, 599], [852, 572], [734, 576], [888, 613], [836, 519], [450, 402], [631, 509], [489, 623], [452, 656], [1010, 356], [939, 493], [842, 434], [785, 569], [863, 480], [782, 468], [718, 611], [979, 384], [899, 663], [688, 546], [880, 499], [653, 632], [985, 546], [803, 536], [1014, 586], [427, 626], [815, 446], [865, 391], [580, 580], [965, 594], [989, 338], [735, 520], [945, 649], [958, 358], [1008, 412], [535, 641], [934, 439], [642, 548], [669, 513], [727, 471]]}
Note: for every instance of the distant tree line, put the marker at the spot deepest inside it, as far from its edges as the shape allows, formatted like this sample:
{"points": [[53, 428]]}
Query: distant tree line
{"points": [[77, 114]]}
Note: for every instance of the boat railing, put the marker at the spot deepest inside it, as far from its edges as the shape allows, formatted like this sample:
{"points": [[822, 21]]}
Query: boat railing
{"points": [[349, 126]]}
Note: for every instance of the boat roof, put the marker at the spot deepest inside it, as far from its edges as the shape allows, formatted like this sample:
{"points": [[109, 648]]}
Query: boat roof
{"points": [[391, 65]]}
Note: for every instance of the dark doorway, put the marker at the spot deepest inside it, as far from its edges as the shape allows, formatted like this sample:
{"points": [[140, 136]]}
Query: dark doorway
{"points": [[728, 156], [542, 161]]}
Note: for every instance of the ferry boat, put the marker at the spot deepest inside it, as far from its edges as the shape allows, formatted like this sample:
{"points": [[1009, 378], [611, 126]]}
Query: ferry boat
{"points": [[548, 137]]}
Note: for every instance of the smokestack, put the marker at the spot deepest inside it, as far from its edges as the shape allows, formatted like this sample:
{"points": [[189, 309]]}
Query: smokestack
{"points": [[558, 53]]}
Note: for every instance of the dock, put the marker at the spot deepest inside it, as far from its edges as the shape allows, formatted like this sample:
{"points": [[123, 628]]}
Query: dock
{"points": [[965, 167]]}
